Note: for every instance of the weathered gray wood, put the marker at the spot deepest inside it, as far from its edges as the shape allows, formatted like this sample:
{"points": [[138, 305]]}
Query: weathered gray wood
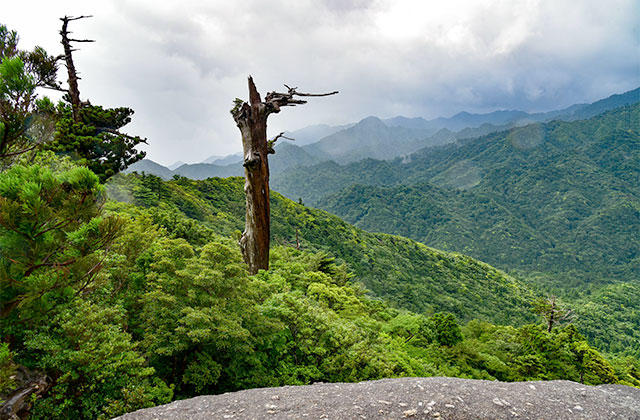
{"points": [[74, 91], [251, 119]]}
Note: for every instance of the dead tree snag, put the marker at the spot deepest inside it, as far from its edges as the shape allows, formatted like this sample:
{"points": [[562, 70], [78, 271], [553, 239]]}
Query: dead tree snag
{"points": [[251, 119], [74, 92]]}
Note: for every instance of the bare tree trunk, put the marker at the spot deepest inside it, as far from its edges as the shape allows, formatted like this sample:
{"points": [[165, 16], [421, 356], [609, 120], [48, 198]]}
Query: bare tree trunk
{"points": [[254, 242], [74, 92], [552, 312], [251, 119]]}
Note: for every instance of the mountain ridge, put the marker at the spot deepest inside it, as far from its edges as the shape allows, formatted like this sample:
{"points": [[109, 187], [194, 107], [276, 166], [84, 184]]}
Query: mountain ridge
{"points": [[353, 144]]}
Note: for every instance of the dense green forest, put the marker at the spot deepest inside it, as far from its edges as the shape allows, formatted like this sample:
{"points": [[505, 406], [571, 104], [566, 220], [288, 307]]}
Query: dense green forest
{"points": [[172, 312], [407, 273], [125, 291]]}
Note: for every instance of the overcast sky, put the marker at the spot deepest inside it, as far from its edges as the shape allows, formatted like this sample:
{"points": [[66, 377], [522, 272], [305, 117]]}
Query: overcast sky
{"points": [[180, 63]]}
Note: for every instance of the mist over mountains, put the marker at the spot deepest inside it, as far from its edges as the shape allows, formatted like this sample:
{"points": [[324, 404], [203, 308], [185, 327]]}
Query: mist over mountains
{"points": [[380, 139]]}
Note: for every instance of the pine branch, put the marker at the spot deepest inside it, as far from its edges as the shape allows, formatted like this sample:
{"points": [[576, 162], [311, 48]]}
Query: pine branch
{"points": [[118, 133]]}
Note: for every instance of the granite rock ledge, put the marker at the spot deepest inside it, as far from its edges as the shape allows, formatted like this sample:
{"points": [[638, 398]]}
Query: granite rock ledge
{"points": [[411, 398]]}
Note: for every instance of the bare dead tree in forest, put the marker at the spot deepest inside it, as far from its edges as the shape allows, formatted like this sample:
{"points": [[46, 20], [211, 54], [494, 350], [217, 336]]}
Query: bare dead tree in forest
{"points": [[552, 311], [74, 92], [251, 119]]}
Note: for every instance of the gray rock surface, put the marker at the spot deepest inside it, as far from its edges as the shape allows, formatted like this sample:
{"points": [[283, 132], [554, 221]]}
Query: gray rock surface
{"points": [[411, 398]]}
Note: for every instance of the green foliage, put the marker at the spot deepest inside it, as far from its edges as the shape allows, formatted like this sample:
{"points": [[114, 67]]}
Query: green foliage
{"points": [[403, 272], [196, 309], [627, 369], [552, 311], [609, 318], [446, 329], [41, 67], [310, 322], [50, 233], [95, 140], [7, 369], [173, 313], [93, 362], [27, 122], [22, 124], [532, 353], [53, 244]]}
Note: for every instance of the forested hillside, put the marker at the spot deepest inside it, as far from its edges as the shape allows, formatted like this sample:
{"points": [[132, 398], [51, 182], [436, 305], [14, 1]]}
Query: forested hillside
{"points": [[561, 198], [402, 271]]}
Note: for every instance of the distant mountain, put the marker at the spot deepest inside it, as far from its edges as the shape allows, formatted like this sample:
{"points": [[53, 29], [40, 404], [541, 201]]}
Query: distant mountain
{"points": [[464, 120], [150, 167], [418, 123], [175, 165], [580, 112], [287, 155], [311, 184], [224, 160], [313, 133], [390, 138], [208, 170], [369, 138], [459, 121], [377, 139], [212, 159]]}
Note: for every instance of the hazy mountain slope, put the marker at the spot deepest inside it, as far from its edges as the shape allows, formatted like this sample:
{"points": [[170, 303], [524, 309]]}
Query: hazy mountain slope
{"points": [[459, 121], [314, 182], [502, 118], [208, 170], [150, 167], [289, 155], [370, 138], [224, 160], [579, 112], [313, 133], [562, 197], [175, 165]]}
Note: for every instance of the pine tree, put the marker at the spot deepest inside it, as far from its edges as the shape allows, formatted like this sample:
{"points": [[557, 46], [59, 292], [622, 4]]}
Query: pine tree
{"points": [[21, 73], [88, 132]]}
